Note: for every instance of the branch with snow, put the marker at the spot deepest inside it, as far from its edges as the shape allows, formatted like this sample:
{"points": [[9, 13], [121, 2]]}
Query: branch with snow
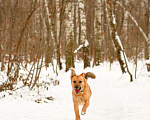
{"points": [[86, 43], [118, 40], [136, 23], [78, 48]]}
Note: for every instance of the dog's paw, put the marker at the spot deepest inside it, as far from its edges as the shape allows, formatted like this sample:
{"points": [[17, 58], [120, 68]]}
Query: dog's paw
{"points": [[83, 113]]}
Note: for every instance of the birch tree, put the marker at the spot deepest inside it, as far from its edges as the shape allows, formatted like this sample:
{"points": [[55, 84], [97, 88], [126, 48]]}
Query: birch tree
{"points": [[69, 36], [98, 31], [116, 39], [86, 56]]}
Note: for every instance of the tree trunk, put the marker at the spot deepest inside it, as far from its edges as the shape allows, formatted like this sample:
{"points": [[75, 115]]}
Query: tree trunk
{"points": [[85, 28], [120, 51], [98, 31], [86, 56], [90, 15], [70, 37]]}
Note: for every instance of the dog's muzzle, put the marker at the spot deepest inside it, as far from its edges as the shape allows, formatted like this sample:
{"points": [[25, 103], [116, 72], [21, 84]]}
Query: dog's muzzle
{"points": [[77, 89]]}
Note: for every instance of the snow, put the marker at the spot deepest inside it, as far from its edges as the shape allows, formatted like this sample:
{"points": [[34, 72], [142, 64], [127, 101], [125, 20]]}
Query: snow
{"points": [[86, 44], [147, 62], [114, 97], [114, 19], [119, 41], [78, 48]]}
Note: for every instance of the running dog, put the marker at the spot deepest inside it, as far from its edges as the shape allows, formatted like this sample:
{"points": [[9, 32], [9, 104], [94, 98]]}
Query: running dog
{"points": [[81, 91]]}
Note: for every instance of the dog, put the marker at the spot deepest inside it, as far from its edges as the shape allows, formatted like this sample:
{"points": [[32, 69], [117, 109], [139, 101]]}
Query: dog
{"points": [[81, 91]]}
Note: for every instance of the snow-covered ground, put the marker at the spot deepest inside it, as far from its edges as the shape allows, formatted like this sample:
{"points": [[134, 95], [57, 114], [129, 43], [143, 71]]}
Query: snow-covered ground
{"points": [[114, 97]]}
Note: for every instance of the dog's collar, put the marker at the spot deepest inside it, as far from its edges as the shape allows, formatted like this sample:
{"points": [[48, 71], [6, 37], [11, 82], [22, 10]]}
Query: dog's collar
{"points": [[83, 89]]}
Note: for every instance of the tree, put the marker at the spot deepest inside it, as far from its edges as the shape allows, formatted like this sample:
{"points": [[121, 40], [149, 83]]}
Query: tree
{"points": [[116, 39], [84, 36], [98, 32], [90, 15], [70, 36]]}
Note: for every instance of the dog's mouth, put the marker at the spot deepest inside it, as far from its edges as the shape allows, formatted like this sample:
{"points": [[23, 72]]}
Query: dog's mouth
{"points": [[77, 89]]}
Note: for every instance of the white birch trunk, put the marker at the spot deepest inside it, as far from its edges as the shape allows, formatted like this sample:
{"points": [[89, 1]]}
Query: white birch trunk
{"points": [[83, 20], [98, 19], [83, 26], [98, 31], [47, 11], [125, 25], [69, 21]]}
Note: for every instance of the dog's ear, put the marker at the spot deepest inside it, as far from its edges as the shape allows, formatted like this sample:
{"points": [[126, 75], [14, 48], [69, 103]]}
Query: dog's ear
{"points": [[90, 74], [83, 74], [73, 73]]}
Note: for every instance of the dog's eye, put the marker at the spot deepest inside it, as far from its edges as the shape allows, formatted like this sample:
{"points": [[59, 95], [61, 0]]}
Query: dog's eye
{"points": [[74, 81], [80, 81]]}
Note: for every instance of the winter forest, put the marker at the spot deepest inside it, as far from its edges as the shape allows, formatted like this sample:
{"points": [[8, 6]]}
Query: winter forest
{"points": [[42, 40]]}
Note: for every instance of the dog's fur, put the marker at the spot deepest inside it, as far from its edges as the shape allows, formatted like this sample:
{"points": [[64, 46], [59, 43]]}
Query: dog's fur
{"points": [[81, 91]]}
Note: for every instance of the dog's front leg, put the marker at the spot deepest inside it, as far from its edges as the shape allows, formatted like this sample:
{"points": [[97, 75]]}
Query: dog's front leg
{"points": [[85, 107], [76, 109]]}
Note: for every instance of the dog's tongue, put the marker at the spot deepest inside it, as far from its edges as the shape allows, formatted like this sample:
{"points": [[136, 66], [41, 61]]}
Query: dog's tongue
{"points": [[77, 91]]}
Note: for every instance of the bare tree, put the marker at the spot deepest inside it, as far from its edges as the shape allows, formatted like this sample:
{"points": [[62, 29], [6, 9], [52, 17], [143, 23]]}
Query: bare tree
{"points": [[116, 39], [90, 15]]}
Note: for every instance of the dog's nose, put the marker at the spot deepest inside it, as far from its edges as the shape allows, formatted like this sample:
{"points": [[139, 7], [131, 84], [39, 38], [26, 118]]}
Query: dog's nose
{"points": [[76, 87]]}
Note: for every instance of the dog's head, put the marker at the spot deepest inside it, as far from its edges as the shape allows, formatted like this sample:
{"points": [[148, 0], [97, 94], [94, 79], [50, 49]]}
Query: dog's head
{"points": [[78, 82]]}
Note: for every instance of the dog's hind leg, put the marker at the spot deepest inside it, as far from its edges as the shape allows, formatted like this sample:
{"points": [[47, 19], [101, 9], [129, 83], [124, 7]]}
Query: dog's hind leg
{"points": [[84, 108]]}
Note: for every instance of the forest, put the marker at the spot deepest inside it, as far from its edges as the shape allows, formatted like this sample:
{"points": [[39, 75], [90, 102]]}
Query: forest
{"points": [[42, 41], [36, 32]]}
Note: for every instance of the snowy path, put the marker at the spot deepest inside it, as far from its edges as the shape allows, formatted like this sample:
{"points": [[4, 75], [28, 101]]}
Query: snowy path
{"points": [[113, 98]]}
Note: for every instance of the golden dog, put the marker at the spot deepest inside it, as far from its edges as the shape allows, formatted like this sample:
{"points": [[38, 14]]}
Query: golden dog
{"points": [[81, 91]]}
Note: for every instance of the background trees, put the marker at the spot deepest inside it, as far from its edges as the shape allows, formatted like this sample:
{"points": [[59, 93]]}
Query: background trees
{"points": [[40, 31]]}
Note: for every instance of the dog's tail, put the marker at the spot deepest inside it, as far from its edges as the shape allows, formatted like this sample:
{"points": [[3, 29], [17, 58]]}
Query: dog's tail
{"points": [[90, 74]]}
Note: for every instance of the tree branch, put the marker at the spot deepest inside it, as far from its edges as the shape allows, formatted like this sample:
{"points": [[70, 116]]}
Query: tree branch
{"points": [[135, 22]]}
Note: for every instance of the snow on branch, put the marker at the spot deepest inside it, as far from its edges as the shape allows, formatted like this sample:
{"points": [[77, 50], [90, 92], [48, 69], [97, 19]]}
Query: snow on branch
{"points": [[86, 43], [78, 48], [133, 19], [118, 40]]}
